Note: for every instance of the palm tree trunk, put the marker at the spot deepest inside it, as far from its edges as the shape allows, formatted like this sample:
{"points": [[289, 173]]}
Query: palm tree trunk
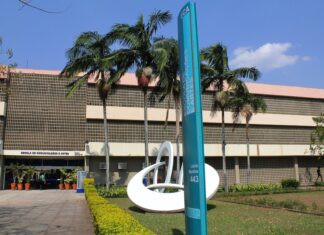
{"points": [[167, 112], [223, 151], [146, 132], [248, 152], [177, 103], [106, 142]]}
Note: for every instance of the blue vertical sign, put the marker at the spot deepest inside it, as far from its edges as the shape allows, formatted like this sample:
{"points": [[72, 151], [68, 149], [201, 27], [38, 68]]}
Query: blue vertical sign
{"points": [[193, 145]]}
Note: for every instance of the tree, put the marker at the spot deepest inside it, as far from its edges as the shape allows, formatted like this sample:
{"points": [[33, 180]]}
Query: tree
{"points": [[245, 105], [317, 137], [215, 73], [138, 51], [8, 52], [4, 69], [90, 54], [168, 85]]}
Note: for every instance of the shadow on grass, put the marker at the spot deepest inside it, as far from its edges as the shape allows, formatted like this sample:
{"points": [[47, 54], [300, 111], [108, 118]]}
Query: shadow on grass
{"points": [[210, 206], [139, 210], [177, 232], [136, 209]]}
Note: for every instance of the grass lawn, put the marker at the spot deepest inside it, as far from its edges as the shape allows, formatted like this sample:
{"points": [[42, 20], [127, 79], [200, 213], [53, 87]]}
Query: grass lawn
{"points": [[304, 201], [308, 198], [229, 218]]}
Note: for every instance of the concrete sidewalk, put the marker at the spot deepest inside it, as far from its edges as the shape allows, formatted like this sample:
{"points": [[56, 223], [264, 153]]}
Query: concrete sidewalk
{"points": [[44, 212]]}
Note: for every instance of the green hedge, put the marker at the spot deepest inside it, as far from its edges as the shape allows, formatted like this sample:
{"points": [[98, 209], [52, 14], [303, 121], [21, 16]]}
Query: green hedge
{"points": [[109, 218], [254, 187], [290, 183], [319, 184], [113, 192], [268, 201]]}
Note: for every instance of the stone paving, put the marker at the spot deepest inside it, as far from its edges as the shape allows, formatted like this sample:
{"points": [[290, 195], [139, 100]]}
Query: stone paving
{"points": [[45, 212]]}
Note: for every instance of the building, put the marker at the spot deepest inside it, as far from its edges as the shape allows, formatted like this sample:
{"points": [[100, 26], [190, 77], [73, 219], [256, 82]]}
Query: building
{"points": [[40, 127]]}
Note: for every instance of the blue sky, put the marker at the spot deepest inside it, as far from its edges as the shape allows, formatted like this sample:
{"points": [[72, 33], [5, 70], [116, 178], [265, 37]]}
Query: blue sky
{"points": [[284, 39]]}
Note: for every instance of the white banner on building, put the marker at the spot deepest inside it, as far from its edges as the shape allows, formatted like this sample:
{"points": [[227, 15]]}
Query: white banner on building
{"points": [[43, 153]]}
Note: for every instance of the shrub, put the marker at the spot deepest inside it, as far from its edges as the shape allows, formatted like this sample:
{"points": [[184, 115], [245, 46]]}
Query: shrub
{"points": [[314, 206], [113, 192], [171, 190], [221, 190], [319, 184], [290, 183], [254, 187], [268, 201], [292, 204], [109, 218]]}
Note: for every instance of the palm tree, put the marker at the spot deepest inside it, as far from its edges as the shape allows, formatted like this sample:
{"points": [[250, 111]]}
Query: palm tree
{"points": [[168, 85], [138, 51], [317, 137], [215, 72], [90, 54], [246, 105]]}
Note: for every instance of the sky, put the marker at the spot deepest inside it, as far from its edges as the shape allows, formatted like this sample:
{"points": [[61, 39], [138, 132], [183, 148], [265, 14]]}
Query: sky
{"points": [[284, 39]]}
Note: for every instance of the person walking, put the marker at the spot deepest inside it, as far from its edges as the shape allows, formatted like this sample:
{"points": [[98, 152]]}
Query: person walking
{"points": [[319, 175], [42, 180]]}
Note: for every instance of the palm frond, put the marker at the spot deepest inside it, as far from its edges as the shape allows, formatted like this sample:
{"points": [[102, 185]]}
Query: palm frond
{"points": [[123, 34], [160, 57], [251, 73], [82, 44], [258, 104], [74, 67], [166, 43], [209, 76], [90, 54], [216, 57], [157, 19], [225, 59], [77, 84]]}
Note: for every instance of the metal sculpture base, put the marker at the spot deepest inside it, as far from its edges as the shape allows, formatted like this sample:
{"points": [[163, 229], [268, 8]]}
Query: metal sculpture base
{"points": [[152, 198]]}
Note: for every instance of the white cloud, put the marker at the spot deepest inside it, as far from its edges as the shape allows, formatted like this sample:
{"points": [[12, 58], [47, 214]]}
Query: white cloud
{"points": [[267, 57]]}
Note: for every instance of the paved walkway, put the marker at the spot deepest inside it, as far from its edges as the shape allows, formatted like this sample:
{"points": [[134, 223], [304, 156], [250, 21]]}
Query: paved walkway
{"points": [[44, 212]]}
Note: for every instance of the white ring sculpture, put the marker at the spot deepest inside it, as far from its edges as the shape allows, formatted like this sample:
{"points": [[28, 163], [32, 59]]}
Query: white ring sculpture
{"points": [[158, 201]]}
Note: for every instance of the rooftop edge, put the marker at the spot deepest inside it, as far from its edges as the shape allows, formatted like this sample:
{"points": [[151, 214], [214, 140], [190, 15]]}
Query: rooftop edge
{"points": [[255, 88]]}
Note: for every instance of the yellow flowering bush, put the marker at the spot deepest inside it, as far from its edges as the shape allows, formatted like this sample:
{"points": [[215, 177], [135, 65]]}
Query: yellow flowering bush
{"points": [[109, 218]]}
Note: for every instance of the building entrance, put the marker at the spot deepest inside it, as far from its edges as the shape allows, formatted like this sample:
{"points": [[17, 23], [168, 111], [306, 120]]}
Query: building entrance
{"points": [[46, 172]]}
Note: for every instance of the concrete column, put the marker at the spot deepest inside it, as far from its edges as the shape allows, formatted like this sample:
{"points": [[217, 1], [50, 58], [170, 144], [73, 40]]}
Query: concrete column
{"points": [[1, 171], [296, 168], [237, 170], [87, 163]]}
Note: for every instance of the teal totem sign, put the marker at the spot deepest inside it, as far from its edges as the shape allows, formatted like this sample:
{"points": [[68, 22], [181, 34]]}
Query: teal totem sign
{"points": [[193, 146]]}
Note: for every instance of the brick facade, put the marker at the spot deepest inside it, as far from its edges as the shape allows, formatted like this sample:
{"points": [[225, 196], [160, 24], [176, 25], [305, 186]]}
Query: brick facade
{"points": [[132, 131], [39, 117], [127, 96]]}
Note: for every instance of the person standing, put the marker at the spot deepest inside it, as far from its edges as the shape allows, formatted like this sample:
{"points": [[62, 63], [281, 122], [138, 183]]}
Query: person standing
{"points": [[319, 175], [42, 180]]}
